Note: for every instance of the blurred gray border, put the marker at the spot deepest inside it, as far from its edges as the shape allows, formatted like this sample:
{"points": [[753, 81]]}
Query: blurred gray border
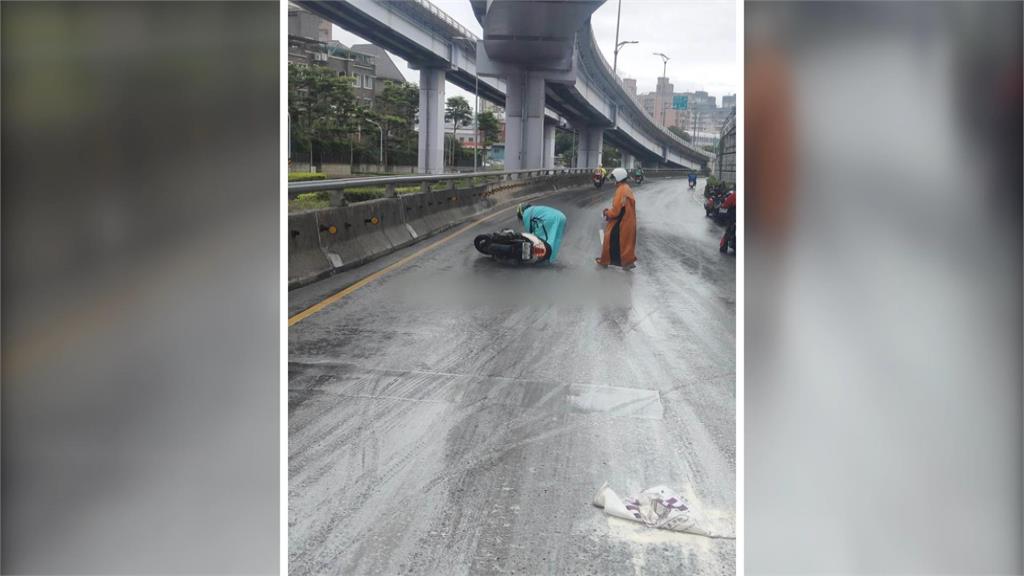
{"points": [[141, 287]]}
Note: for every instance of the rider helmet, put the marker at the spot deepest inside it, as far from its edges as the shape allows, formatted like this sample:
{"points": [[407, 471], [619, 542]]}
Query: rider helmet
{"points": [[619, 174]]}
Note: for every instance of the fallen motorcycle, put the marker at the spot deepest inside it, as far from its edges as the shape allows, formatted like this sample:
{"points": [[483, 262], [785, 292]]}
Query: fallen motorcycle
{"points": [[513, 247]]}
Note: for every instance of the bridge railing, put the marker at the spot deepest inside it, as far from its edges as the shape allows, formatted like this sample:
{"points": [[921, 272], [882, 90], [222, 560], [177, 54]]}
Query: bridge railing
{"points": [[390, 184], [587, 45], [671, 172]]}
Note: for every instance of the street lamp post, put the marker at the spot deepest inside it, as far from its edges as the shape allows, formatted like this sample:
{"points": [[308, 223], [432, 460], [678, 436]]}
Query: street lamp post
{"points": [[615, 60], [476, 110], [619, 45], [664, 63], [664, 74], [476, 120], [380, 158]]}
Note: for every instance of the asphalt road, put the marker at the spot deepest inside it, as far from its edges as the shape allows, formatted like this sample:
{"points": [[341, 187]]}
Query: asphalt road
{"points": [[456, 416]]}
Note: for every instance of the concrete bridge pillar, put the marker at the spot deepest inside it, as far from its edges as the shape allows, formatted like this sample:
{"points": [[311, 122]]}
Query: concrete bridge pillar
{"points": [[549, 146], [430, 159], [591, 143], [524, 121]]}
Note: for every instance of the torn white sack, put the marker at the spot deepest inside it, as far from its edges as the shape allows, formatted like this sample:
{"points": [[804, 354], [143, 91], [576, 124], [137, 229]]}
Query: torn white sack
{"points": [[657, 507]]}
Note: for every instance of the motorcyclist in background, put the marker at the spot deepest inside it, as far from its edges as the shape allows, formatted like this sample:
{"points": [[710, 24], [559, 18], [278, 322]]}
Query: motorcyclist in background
{"points": [[638, 174], [692, 177]]}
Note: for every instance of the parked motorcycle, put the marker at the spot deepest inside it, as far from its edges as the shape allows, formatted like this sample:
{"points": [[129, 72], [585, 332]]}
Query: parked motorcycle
{"points": [[713, 199], [513, 247], [728, 240]]}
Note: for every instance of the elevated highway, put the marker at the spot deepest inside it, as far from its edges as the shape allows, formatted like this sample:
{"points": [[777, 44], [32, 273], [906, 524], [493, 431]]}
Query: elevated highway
{"points": [[543, 68]]}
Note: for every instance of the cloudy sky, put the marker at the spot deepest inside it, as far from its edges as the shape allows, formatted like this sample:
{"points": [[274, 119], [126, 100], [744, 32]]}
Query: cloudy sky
{"points": [[699, 37]]}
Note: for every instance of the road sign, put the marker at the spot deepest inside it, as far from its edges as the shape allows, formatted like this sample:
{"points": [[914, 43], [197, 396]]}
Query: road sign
{"points": [[680, 101]]}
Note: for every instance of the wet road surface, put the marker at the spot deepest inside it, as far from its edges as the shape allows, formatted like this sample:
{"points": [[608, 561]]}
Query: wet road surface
{"points": [[456, 416]]}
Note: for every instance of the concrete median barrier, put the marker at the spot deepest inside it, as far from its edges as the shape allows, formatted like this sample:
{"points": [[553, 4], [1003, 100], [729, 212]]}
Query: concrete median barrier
{"points": [[340, 235], [392, 215], [414, 206], [367, 225], [436, 205], [307, 260], [330, 240]]}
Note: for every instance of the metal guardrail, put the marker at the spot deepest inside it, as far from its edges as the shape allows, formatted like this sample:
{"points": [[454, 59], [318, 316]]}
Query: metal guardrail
{"points": [[390, 182], [671, 172]]}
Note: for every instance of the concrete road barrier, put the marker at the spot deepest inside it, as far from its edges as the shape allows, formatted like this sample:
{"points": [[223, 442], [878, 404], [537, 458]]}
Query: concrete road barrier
{"points": [[392, 214], [323, 242], [340, 237], [306, 258], [414, 207]]}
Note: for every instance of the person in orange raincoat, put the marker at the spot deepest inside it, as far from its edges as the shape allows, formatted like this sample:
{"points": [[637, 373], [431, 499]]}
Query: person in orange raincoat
{"points": [[619, 247]]}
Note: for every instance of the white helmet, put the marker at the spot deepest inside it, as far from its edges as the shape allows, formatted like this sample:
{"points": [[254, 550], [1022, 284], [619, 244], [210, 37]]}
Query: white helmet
{"points": [[619, 174]]}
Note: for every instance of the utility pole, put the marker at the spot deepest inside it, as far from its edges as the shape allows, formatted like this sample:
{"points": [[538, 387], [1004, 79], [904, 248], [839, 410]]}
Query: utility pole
{"points": [[476, 121], [476, 112], [664, 64], [381, 158], [572, 159], [664, 74], [619, 45], [617, 20]]}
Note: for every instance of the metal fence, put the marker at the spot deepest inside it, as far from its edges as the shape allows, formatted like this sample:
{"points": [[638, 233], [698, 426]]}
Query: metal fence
{"points": [[727, 151]]}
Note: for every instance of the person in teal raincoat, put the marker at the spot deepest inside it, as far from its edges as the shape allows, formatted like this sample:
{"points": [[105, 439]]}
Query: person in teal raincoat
{"points": [[544, 222]]}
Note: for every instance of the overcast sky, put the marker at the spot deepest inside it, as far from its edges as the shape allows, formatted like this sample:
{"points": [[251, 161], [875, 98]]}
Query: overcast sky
{"points": [[699, 37]]}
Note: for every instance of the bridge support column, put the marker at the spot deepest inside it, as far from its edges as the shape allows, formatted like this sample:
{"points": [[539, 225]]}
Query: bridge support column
{"points": [[627, 160], [524, 121], [430, 159], [549, 146], [591, 143]]}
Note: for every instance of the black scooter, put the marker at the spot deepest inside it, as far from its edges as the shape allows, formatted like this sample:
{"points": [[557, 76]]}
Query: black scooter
{"points": [[513, 247]]}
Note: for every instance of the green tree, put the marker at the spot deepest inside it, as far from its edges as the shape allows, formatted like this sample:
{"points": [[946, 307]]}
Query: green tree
{"points": [[565, 144], [395, 108], [458, 112], [611, 156], [452, 144], [321, 106], [681, 133], [489, 127]]}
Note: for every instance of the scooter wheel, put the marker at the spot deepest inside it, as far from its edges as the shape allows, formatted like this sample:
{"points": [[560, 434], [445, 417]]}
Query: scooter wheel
{"points": [[483, 244]]}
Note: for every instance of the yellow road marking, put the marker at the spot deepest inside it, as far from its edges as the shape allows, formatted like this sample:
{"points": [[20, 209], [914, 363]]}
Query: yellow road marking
{"points": [[339, 295]]}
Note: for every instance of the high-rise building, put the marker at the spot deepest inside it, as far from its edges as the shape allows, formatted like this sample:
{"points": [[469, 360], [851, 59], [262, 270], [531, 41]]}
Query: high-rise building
{"points": [[306, 25], [631, 86], [702, 118]]}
